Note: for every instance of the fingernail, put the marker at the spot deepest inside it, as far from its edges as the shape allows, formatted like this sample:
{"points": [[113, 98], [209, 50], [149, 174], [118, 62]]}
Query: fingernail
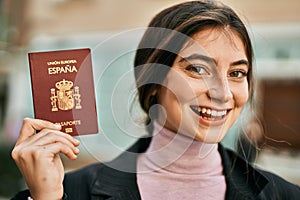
{"points": [[77, 141], [58, 126], [77, 150]]}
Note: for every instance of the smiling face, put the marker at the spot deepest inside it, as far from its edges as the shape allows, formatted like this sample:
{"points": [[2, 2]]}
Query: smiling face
{"points": [[206, 88]]}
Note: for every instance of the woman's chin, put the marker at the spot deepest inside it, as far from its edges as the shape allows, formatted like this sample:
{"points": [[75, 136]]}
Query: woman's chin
{"points": [[209, 135]]}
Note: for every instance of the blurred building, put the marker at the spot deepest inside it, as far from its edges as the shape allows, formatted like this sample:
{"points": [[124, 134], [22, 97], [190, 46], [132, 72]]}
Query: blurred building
{"points": [[111, 27]]}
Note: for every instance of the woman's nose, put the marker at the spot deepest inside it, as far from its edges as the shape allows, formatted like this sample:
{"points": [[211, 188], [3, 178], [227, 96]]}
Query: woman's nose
{"points": [[219, 90]]}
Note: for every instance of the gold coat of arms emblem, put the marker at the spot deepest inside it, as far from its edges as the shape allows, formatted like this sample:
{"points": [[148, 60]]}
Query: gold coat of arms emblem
{"points": [[64, 96]]}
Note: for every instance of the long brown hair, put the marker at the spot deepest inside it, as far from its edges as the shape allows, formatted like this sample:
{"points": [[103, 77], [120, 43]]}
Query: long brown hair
{"points": [[159, 46]]}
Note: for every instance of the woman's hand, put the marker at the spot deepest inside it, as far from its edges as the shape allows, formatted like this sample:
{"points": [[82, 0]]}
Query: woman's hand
{"points": [[37, 157]]}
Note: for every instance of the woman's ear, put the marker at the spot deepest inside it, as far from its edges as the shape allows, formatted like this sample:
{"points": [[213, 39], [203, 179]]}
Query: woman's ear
{"points": [[154, 96], [154, 92]]}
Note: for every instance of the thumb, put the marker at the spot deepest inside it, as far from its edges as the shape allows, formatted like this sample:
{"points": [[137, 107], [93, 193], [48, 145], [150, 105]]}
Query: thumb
{"points": [[30, 125]]}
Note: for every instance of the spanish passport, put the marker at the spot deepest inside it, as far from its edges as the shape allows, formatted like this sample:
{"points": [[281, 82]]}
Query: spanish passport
{"points": [[63, 89]]}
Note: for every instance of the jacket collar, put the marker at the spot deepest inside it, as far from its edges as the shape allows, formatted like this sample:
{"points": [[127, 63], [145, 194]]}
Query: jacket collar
{"points": [[242, 179]]}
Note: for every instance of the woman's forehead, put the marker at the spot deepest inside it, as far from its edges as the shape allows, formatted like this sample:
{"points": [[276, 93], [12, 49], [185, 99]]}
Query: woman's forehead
{"points": [[213, 39]]}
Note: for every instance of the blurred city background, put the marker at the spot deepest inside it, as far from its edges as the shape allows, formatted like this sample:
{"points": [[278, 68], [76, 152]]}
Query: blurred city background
{"points": [[112, 29]]}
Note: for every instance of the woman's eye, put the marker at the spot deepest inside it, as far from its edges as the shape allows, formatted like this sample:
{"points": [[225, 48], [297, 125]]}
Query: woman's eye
{"points": [[197, 69], [238, 74]]}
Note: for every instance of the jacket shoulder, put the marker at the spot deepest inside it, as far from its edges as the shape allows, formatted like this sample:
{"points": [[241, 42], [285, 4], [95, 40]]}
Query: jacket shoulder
{"points": [[102, 181], [278, 187], [248, 181]]}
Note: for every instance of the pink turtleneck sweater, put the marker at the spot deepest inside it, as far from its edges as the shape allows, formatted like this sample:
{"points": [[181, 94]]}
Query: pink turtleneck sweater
{"points": [[178, 167]]}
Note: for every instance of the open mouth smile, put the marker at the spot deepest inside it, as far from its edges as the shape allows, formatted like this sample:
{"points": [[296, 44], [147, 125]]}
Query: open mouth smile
{"points": [[209, 113]]}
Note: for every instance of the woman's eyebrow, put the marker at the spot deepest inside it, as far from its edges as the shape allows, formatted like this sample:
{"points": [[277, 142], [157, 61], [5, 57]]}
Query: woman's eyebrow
{"points": [[212, 60], [240, 62], [199, 57]]}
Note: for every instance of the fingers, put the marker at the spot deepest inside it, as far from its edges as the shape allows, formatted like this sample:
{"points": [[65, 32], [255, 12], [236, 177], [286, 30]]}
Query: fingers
{"points": [[29, 142], [46, 153], [52, 137], [53, 148], [35, 144], [30, 125], [57, 139]]}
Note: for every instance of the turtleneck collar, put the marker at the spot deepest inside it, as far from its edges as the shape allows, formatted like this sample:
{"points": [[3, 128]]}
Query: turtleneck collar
{"points": [[181, 154], [176, 166]]}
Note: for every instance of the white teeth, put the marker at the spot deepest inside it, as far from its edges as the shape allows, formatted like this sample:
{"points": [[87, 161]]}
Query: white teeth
{"points": [[199, 109], [211, 112], [214, 113], [208, 111], [219, 114]]}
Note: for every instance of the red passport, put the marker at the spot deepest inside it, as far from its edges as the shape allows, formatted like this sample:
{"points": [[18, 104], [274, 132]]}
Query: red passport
{"points": [[63, 89]]}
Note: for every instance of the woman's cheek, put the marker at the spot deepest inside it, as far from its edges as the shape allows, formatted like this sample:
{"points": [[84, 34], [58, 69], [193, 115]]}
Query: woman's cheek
{"points": [[241, 94], [188, 91], [183, 87]]}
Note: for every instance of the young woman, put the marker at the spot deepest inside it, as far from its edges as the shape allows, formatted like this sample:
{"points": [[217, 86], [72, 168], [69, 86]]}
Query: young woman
{"points": [[193, 71]]}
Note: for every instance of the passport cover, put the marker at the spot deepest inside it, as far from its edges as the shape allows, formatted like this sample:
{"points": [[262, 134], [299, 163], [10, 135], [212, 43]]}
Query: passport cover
{"points": [[63, 89]]}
